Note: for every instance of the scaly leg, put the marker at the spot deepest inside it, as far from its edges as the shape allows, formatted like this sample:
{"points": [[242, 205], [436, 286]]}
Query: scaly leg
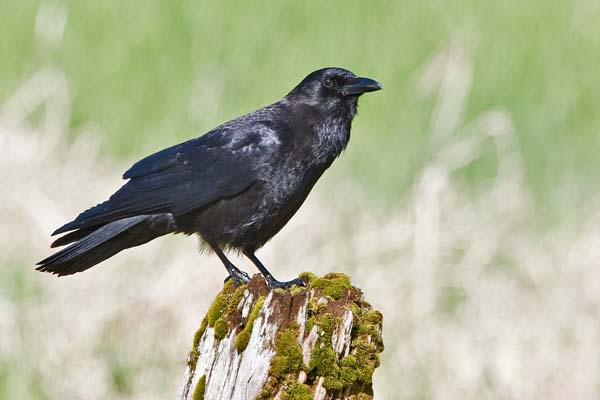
{"points": [[271, 281], [235, 273]]}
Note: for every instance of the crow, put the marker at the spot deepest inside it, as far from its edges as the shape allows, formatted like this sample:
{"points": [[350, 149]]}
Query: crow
{"points": [[235, 186]]}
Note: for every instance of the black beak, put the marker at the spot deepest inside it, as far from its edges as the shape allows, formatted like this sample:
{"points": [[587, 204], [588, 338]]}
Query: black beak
{"points": [[360, 86]]}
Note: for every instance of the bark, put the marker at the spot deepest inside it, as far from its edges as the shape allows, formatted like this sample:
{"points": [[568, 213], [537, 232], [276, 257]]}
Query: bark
{"points": [[320, 342]]}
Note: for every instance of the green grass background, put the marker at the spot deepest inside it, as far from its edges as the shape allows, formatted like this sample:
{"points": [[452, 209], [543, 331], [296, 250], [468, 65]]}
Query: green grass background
{"points": [[133, 65]]}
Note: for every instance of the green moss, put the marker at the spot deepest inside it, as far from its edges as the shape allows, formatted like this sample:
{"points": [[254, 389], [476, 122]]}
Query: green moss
{"points": [[360, 364], [367, 357], [360, 396], [295, 290], [296, 391], [242, 338], [356, 368], [336, 275], [221, 328], [199, 333], [368, 323], [193, 357], [314, 307], [328, 324], [200, 388], [267, 389], [366, 344], [348, 369], [373, 317], [323, 360], [288, 353], [310, 323], [219, 305], [307, 277], [333, 285], [235, 299], [224, 305]]}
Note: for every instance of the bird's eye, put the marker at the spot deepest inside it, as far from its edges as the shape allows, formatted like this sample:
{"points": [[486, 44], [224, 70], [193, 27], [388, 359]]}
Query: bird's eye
{"points": [[327, 82]]}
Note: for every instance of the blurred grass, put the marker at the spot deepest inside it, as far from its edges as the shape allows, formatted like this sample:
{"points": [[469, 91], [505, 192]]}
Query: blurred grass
{"points": [[157, 73]]}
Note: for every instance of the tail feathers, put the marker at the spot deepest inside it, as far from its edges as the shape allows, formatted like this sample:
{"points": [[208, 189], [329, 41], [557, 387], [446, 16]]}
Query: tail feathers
{"points": [[73, 236], [85, 219], [104, 242]]}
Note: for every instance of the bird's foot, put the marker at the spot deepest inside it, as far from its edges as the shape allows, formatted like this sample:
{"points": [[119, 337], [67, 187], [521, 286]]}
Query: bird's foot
{"points": [[275, 284], [239, 277]]}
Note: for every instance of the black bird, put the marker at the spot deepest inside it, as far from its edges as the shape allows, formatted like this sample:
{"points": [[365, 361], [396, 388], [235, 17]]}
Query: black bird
{"points": [[236, 186]]}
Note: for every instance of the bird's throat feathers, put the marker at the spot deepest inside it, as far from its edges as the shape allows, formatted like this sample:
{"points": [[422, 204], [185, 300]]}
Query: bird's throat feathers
{"points": [[333, 132], [328, 121]]}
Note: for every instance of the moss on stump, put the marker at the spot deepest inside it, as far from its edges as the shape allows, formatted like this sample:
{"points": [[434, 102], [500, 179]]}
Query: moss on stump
{"points": [[318, 342]]}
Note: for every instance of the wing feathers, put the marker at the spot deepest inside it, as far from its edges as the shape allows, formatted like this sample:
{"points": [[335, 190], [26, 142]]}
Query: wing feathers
{"points": [[182, 178]]}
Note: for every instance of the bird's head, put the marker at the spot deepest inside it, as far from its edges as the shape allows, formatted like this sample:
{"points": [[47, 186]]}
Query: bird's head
{"points": [[333, 89]]}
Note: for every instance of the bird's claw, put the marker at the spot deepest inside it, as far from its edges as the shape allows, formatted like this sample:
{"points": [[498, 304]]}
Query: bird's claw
{"points": [[275, 284], [239, 277]]}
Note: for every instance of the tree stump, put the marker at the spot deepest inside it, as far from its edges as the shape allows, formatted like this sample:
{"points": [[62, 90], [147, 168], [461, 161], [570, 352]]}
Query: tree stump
{"points": [[320, 342]]}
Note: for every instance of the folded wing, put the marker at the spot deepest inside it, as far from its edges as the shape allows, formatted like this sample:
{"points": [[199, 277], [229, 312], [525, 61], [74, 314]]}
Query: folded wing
{"points": [[184, 177]]}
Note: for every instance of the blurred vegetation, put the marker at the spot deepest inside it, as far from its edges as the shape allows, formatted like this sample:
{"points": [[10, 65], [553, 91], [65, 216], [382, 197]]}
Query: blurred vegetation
{"points": [[151, 74], [155, 73]]}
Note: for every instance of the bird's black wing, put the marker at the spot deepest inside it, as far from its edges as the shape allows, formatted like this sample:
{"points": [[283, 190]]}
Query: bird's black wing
{"points": [[187, 176]]}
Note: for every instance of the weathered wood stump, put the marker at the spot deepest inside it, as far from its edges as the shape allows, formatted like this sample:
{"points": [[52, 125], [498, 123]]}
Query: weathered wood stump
{"points": [[320, 342]]}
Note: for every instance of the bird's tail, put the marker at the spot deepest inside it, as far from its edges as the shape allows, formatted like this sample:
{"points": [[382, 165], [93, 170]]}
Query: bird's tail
{"points": [[94, 246]]}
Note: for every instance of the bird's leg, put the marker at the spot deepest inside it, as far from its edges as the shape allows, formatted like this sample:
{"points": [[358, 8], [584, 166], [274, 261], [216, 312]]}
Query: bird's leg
{"points": [[271, 281], [235, 273]]}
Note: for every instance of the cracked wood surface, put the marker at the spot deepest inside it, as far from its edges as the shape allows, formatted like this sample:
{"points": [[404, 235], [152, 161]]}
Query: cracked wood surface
{"points": [[332, 354]]}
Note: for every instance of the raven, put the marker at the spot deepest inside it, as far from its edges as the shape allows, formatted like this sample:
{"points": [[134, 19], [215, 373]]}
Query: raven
{"points": [[236, 186]]}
